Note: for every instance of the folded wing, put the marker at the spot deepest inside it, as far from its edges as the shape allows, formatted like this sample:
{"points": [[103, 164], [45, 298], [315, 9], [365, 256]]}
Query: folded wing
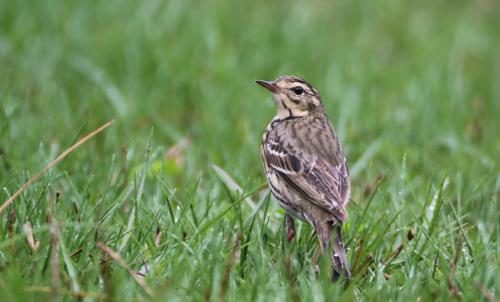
{"points": [[311, 177]]}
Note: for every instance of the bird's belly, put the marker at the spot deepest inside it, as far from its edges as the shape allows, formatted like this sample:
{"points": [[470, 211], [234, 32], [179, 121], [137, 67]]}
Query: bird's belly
{"points": [[286, 198]]}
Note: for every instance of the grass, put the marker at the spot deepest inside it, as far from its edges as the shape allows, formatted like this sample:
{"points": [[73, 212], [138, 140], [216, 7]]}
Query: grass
{"points": [[175, 187]]}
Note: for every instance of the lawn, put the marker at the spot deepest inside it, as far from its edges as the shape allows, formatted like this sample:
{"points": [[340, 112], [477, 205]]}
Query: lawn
{"points": [[170, 202]]}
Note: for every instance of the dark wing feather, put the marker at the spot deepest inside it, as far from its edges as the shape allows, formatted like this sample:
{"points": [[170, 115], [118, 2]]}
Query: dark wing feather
{"points": [[311, 177]]}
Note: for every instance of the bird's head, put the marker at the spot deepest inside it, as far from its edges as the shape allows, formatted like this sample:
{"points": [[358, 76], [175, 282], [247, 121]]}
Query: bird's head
{"points": [[293, 96]]}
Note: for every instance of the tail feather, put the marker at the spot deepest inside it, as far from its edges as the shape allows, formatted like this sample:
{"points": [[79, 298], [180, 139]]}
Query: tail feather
{"points": [[339, 259]]}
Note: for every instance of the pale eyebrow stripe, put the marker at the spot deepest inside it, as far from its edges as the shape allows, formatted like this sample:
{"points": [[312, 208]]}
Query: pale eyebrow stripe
{"points": [[304, 82]]}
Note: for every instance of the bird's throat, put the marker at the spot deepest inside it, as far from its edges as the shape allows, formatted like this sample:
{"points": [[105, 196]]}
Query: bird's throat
{"points": [[283, 111]]}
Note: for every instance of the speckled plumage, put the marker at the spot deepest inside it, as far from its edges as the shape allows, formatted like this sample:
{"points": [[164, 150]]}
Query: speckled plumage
{"points": [[305, 164]]}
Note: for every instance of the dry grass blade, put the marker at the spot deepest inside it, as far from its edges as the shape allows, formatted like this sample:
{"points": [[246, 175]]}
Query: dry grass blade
{"points": [[452, 284], [364, 266], [291, 277], [53, 163], [11, 220], [232, 184], [54, 258], [28, 232], [121, 262], [357, 255], [393, 255], [80, 294], [489, 295], [229, 266], [158, 236]]}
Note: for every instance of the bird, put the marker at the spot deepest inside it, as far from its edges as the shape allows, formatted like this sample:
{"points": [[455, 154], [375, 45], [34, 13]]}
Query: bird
{"points": [[305, 166]]}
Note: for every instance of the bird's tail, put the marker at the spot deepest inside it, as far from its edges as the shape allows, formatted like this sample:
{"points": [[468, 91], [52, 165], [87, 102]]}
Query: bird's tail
{"points": [[339, 259]]}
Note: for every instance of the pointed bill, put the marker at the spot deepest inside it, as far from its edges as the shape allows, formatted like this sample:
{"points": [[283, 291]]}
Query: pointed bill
{"points": [[269, 85]]}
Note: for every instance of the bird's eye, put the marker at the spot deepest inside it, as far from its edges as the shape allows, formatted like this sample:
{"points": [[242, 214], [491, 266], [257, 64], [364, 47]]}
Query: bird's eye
{"points": [[298, 90]]}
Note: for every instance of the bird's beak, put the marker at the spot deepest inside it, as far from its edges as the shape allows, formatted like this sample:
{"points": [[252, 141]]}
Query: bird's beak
{"points": [[269, 85]]}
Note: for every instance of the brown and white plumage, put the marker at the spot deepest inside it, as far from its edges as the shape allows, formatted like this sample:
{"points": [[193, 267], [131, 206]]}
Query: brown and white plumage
{"points": [[305, 164]]}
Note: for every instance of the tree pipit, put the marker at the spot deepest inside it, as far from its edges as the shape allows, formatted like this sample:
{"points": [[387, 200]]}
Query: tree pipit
{"points": [[305, 165]]}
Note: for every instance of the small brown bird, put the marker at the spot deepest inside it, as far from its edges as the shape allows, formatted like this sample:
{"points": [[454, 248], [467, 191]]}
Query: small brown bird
{"points": [[305, 165]]}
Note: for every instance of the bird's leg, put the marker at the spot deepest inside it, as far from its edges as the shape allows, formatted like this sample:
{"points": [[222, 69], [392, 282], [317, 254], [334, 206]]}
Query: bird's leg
{"points": [[290, 225]]}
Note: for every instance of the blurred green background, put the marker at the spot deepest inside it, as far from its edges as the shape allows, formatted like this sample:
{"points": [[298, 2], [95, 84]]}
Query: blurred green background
{"points": [[413, 89]]}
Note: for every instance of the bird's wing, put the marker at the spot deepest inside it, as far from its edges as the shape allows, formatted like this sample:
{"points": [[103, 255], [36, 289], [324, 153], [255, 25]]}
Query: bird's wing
{"points": [[311, 177]]}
